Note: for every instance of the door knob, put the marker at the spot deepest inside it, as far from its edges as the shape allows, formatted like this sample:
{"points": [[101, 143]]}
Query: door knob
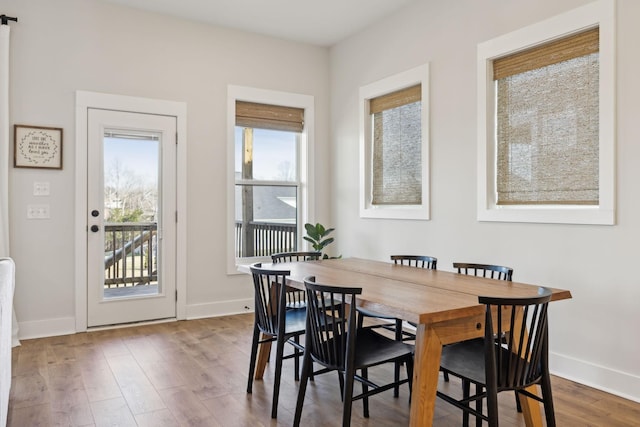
{"points": [[95, 228], [95, 213]]}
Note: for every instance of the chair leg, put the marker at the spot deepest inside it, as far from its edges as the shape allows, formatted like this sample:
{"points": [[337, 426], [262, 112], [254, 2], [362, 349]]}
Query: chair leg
{"points": [[348, 397], [396, 369], [307, 367], [409, 366], [518, 405], [492, 405], [341, 381], [478, 406], [547, 400], [276, 381], [446, 376], [365, 388], [466, 392], [254, 354], [296, 358]]}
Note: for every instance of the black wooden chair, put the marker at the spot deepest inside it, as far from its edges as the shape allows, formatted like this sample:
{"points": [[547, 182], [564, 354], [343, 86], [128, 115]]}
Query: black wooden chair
{"points": [[391, 323], [334, 342], [295, 256], [295, 297], [420, 261], [276, 323], [490, 271], [498, 364]]}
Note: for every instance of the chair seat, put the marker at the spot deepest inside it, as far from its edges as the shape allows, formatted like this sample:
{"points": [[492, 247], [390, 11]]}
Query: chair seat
{"points": [[295, 321], [467, 360], [374, 349], [371, 313]]}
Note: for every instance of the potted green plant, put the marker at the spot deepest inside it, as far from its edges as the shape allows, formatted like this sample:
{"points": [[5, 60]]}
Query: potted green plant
{"points": [[317, 236]]}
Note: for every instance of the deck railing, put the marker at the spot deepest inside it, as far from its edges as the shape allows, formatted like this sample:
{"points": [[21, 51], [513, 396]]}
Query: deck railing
{"points": [[131, 248], [130, 255], [266, 238]]}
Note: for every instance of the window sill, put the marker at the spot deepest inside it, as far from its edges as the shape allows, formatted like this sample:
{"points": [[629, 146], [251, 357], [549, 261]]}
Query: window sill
{"points": [[549, 214], [395, 212]]}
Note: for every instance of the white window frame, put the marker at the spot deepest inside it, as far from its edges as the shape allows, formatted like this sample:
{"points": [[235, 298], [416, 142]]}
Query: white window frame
{"points": [[305, 205], [412, 77], [600, 13]]}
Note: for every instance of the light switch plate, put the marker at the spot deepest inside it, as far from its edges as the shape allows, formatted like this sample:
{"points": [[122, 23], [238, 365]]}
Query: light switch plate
{"points": [[41, 189]]}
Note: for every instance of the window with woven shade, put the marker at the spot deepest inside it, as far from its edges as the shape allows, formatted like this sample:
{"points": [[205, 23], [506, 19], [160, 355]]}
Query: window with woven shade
{"points": [[394, 146], [270, 135], [546, 120]]}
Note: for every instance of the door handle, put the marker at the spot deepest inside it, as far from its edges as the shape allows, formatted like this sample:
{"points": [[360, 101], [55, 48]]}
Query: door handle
{"points": [[95, 213], [95, 228]]}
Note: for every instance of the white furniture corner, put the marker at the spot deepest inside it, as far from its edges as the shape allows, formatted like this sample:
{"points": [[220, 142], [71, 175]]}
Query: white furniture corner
{"points": [[7, 285]]}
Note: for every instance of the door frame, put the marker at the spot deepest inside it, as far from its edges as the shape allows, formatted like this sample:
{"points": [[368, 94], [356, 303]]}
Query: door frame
{"points": [[84, 101]]}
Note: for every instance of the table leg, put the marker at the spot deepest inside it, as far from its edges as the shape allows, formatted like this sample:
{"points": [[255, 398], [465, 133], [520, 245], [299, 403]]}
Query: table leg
{"points": [[425, 376], [531, 408], [263, 357]]}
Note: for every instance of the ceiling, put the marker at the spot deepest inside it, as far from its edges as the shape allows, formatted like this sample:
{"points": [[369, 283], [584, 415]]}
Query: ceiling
{"points": [[319, 22]]}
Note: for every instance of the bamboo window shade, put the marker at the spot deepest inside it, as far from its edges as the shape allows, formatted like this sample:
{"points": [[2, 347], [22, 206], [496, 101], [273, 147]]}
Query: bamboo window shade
{"points": [[548, 123], [266, 116], [397, 145], [574, 46], [395, 99]]}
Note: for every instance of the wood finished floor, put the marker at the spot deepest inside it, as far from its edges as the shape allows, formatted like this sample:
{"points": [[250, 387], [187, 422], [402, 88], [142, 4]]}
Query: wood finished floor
{"points": [[194, 373]]}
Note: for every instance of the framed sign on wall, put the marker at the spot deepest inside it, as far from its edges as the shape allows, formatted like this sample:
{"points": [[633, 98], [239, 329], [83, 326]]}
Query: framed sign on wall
{"points": [[37, 147]]}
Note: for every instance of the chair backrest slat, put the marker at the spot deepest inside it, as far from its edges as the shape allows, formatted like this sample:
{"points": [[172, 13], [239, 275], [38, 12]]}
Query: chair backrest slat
{"points": [[295, 256], [420, 261], [269, 298], [490, 271], [516, 339], [331, 323]]}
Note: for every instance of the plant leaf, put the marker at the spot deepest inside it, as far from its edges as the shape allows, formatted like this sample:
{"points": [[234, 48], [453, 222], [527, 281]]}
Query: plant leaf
{"points": [[326, 242]]}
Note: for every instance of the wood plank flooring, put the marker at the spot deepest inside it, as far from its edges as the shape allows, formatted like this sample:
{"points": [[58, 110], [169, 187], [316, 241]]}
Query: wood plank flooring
{"points": [[194, 373]]}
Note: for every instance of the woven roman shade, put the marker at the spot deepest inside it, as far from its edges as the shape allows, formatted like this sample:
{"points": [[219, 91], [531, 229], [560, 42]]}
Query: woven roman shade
{"points": [[395, 99], [273, 117], [571, 47], [397, 147], [548, 123]]}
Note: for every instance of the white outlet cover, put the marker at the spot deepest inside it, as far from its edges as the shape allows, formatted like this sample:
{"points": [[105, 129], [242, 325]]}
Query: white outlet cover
{"points": [[38, 212]]}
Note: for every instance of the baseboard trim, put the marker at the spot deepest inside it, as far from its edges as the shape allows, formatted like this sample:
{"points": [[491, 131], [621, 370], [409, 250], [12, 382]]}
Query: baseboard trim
{"points": [[223, 308], [47, 328], [599, 377], [67, 325]]}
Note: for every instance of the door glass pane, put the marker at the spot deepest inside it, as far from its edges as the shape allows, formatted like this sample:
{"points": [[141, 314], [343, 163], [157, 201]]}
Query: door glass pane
{"points": [[131, 188]]}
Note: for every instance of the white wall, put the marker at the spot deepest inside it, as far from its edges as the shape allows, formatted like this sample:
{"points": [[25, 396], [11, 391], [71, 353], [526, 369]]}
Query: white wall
{"points": [[67, 45], [594, 337]]}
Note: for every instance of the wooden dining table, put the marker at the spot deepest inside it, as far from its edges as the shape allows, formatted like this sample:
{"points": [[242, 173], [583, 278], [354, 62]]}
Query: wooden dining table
{"points": [[444, 306]]}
